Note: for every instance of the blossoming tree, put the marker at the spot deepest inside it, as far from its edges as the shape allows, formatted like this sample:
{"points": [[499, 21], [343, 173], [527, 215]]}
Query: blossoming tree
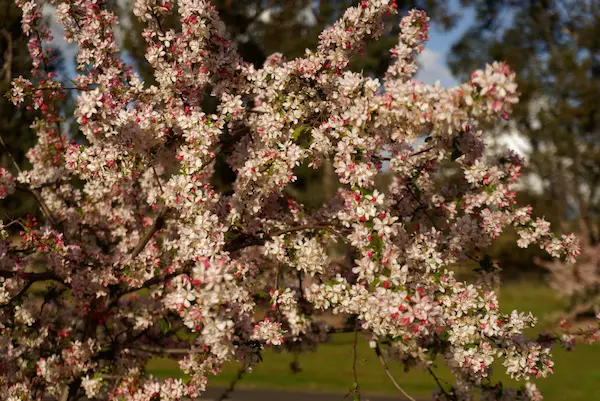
{"points": [[142, 256]]}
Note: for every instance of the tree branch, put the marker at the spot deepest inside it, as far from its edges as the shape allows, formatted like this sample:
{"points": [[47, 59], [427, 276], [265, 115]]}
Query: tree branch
{"points": [[67, 88], [387, 371], [49, 275], [160, 350], [245, 240], [304, 228], [432, 373], [19, 294], [157, 225], [8, 56], [45, 209], [148, 283], [355, 386], [229, 390], [32, 278]]}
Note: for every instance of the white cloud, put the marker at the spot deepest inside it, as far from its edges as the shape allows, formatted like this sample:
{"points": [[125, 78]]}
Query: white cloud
{"points": [[67, 50], [306, 17], [515, 141], [432, 68]]}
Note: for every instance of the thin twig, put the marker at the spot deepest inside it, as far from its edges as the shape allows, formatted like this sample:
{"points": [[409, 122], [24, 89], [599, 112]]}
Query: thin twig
{"points": [[387, 371], [10, 156], [66, 88], [412, 154], [229, 390], [16, 221], [422, 151], [432, 373], [355, 386], [35, 192], [32, 278], [45, 209], [277, 274], [424, 209], [158, 180], [158, 350], [300, 285], [148, 283], [117, 381], [19, 294], [246, 240], [8, 56], [277, 233]]}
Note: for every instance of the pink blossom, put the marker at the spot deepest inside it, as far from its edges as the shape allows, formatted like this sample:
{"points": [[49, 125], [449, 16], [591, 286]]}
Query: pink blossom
{"points": [[141, 245]]}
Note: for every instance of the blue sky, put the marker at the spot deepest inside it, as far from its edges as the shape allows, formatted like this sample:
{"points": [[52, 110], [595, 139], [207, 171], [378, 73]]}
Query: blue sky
{"points": [[432, 60]]}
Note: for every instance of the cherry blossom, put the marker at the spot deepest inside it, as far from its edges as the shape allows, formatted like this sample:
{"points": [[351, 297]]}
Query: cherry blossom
{"points": [[7, 183], [140, 245]]}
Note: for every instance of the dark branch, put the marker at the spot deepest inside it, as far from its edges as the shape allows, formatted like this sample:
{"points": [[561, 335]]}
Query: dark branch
{"points": [[432, 373], [229, 390], [247, 240], [45, 209], [32, 277], [157, 225]]}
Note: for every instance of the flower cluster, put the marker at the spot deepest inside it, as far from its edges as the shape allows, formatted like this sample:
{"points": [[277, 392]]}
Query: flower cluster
{"points": [[7, 183], [144, 253]]}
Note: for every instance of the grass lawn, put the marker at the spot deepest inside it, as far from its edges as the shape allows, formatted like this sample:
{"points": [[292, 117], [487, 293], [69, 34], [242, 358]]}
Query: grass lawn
{"points": [[577, 373]]}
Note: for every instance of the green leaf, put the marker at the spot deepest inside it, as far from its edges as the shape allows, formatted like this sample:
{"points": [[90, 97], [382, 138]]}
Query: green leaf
{"points": [[298, 131], [165, 325]]}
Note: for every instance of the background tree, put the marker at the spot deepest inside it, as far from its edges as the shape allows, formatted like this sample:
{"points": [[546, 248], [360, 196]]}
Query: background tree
{"points": [[15, 128], [554, 46], [15, 123]]}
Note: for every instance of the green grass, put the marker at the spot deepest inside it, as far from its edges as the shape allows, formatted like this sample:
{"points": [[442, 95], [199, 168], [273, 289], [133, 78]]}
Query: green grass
{"points": [[577, 373]]}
